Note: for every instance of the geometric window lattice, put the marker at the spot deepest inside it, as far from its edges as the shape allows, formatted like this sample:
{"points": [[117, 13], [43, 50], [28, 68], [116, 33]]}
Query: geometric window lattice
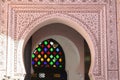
{"points": [[48, 59]]}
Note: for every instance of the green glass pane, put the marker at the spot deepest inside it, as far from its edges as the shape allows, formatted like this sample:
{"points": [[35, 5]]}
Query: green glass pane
{"points": [[51, 49], [57, 56], [39, 63], [45, 42], [33, 55], [51, 56], [60, 66], [51, 63], [54, 60], [39, 49]]}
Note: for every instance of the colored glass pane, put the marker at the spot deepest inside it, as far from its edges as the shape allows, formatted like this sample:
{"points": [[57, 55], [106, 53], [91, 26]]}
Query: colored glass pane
{"points": [[57, 56], [39, 56], [60, 66], [48, 46], [36, 52], [60, 53], [51, 43], [57, 63], [57, 50], [51, 63], [33, 55], [33, 62], [45, 49], [54, 60], [45, 42], [42, 52], [39, 63], [45, 63], [51, 56], [60, 60], [48, 59], [54, 53], [51, 49], [36, 59], [48, 52], [45, 56], [54, 65], [57, 75], [42, 59], [55, 45], [39, 49], [36, 66], [42, 45]]}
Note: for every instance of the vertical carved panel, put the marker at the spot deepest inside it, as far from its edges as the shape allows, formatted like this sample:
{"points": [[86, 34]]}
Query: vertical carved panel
{"points": [[113, 75], [3, 37], [118, 27], [3, 40], [112, 44], [112, 37]]}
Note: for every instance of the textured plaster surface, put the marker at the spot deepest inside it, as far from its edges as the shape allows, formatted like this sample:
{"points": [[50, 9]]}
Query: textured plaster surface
{"points": [[95, 20]]}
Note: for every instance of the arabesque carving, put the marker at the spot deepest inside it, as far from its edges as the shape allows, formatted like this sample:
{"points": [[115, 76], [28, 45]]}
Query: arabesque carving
{"points": [[97, 16]]}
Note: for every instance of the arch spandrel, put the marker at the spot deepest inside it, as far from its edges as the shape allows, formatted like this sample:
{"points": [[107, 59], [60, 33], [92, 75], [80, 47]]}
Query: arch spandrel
{"points": [[64, 19], [72, 18]]}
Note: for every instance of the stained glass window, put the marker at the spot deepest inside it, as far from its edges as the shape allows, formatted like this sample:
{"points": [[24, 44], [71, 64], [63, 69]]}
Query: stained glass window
{"points": [[48, 59]]}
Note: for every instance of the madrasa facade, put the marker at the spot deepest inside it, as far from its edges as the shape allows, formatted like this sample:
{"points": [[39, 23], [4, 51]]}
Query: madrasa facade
{"points": [[59, 39]]}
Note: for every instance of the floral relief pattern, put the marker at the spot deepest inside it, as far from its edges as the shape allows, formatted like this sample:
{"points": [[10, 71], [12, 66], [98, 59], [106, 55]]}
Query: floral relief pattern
{"points": [[104, 36], [91, 20], [24, 18], [62, 1]]}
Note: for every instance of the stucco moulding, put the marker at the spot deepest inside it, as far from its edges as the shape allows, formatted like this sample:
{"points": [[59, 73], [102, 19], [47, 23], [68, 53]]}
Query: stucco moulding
{"points": [[73, 8]]}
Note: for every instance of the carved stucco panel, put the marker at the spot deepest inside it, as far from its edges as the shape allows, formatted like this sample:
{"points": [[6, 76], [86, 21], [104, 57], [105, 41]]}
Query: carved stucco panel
{"points": [[3, 40], [111, 77], [23, 18], [3, 36], [112, 36], [92, 20], [61, 1], [118, 27], [112, 52]]}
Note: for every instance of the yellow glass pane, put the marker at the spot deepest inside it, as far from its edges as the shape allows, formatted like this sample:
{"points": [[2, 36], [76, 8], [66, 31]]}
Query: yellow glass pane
{"points": [[54, 65], [60, 60], [39, 56], [42, 59], [48, 59], [45, 56], [57, 75]]}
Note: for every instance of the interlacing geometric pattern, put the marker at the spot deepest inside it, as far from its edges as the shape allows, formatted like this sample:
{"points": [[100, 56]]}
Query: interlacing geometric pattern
{"points": [[48, 61], [48, 54]]}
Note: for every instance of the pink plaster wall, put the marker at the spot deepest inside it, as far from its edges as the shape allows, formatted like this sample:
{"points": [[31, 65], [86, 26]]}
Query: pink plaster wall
{"points": [[95, 20]]}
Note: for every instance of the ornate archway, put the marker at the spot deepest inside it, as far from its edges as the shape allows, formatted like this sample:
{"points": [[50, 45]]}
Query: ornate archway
{"points": [[64, 20], [89, 20]]}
